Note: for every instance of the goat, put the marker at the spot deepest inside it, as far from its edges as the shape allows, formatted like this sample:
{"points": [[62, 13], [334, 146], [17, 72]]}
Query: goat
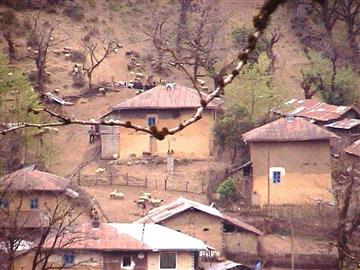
{"points": [[100, 170], [116, 195], [156, 202]]}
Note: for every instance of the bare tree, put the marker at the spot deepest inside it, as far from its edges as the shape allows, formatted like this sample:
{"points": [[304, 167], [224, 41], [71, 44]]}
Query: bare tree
{"points": [[348, 213], [349, 12], [221, 79], [269, 48], [92, 47], [8, 36], [40, 40]]}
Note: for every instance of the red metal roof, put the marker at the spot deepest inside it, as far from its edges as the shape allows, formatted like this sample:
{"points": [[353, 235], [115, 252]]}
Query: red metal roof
{"points": [[130, 237], [30, 179], [345, 124], [179, 97], [353, 149], [103, 238], [295, 129], [181, 205], [313, 109]]}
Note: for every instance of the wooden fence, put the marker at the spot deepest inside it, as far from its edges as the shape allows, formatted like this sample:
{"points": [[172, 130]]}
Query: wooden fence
{"points": [[172, 183], [112, 179]]}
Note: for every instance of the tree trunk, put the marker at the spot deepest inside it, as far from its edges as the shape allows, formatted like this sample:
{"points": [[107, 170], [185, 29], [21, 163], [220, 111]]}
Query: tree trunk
{"points": [[233, 158], [354, 46], [182, 24], [11, 46], [89, 75]]}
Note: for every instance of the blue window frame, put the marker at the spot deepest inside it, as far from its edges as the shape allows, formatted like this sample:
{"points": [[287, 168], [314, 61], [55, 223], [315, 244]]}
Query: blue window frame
{"points": [[276, 177], [151, 121], [4, 203], [69, 259], [33, 203]]}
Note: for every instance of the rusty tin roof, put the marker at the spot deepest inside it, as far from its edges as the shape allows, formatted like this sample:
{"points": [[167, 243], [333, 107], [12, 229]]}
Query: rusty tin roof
{"points": [[353, 149], [313, 109], [179, 97], [181, 205], [346, 123], [29, 179], [292, 129]]}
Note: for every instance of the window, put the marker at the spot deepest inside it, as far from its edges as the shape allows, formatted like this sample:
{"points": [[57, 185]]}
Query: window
{"points": [[69, 259], [126, 262], [168, 260], [151, 120], [33, 203], [4, 203], [276, 177]]}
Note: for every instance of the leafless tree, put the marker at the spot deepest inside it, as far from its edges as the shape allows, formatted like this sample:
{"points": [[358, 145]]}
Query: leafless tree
{"points": [[348, 212], [349, 12], [269, 48], [40, 40], [92, 46], [8, 36], [221, 79]]}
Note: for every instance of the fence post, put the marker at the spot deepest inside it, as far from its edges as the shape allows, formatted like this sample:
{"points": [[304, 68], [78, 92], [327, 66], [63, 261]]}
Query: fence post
{"points": [[186, 186], [166, 182], [127, 179]]}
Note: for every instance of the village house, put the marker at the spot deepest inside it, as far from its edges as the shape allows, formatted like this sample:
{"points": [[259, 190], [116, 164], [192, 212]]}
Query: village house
{"points": [[115, 246], [29, 196], [317, 112], [291, 162], [229, 236], [162, 106]]}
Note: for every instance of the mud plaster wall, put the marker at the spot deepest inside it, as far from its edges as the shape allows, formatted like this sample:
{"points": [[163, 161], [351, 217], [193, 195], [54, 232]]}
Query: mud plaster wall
{"points": [[194, 141], [307, 171]]}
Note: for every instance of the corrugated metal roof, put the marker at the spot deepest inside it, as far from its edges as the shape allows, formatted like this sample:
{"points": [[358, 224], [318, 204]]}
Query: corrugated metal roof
{"points": [[132, 237], [224, 265], [180, 205], [30, 179], [296, 129], [344, 124], [353, 149], [179, 97], [313, 109]]}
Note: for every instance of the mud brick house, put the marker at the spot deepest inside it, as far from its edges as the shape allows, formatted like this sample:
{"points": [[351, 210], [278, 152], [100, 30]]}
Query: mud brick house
{"points": [[115, 246], [318, 112], [225, 234], [290, 162], [28, 194], [162, 106]]}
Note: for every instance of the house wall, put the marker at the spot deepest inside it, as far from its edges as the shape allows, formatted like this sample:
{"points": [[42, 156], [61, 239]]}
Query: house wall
{"points": [[240, 242], [184, 261], [193, 222], [195, 141], [307, 171], [45, 200]]}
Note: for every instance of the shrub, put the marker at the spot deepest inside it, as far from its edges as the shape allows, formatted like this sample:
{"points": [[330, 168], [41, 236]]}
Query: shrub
{"points": [[78, 57], [75, 13], [226, 190], [8, 18]]}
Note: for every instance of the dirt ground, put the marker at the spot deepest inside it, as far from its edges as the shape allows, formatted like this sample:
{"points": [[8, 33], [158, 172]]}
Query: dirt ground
{"points": [[127, 210]]}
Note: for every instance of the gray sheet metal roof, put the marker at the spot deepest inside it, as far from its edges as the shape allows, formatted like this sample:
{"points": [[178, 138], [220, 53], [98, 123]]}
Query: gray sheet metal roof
{"points": [[180, 205]]}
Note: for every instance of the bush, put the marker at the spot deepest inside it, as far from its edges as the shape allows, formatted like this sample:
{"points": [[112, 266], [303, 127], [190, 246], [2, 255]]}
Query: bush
{"points": [[8, 18], [78, 57], [226, 190], [75, 13]]}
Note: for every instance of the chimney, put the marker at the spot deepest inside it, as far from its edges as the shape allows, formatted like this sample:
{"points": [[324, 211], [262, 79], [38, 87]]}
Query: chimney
{"points": [[170, 86], [290, 118]]}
